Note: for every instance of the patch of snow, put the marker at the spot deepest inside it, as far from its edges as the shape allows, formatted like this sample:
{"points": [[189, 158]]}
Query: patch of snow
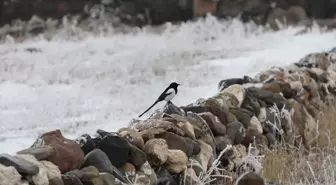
{"points": [[102, 82]]}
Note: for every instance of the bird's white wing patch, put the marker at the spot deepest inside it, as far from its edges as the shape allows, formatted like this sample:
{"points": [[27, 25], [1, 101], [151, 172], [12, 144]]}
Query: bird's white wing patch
{"points": [[169, 94], [171, 90]]}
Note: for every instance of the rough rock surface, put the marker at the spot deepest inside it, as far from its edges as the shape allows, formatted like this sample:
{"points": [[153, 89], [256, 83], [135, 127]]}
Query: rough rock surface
{"points": [[177, 144], [23, 166], [67, 154]]}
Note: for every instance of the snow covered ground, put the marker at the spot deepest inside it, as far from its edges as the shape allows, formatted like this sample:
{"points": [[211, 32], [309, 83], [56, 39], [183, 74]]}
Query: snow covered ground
{"points": [[102, 82]]}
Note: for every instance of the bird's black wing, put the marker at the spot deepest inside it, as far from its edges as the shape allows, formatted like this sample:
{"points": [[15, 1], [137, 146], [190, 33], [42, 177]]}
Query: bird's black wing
{"points": [[165, 93]]}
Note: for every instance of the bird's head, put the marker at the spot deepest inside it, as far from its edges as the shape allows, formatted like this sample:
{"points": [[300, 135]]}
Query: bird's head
{"points": [[174, 85]]}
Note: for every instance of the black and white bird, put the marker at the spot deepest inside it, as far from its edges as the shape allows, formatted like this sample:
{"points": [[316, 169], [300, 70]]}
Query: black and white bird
{"points": [[167, 95]]}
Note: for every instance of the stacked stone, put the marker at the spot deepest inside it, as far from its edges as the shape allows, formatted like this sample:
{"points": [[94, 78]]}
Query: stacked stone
{"points": [[205, 141]]}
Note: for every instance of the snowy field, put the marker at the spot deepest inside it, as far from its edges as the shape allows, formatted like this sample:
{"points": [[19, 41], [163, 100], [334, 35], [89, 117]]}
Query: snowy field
{"points": [[102, 82]]}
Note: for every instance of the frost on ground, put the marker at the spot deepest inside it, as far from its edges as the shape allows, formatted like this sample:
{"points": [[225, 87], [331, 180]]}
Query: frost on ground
{"points": [[79, 86]]}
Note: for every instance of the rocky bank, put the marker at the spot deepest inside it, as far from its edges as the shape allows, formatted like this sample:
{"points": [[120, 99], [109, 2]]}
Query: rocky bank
{"points": [[35, 16], [219, 140]]}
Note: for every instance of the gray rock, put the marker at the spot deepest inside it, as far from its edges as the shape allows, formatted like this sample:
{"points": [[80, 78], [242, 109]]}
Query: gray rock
{"points": [[138, 157], [170, 108], [40, 152], [222, 142], [214, 124], [236, 132], [22, 166], [99, 159], [71, 179], [108, 179], [333, 50], [91, 176], [195, 165], [56, 181], [193, 147]]}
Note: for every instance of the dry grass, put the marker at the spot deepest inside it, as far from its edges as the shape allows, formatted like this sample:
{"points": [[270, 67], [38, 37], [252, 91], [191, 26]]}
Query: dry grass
{"points": [[327, 128], [294, 166]]}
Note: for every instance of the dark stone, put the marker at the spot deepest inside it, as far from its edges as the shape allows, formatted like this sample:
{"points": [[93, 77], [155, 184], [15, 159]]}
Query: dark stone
{"points": [[86, 142], [137, 157], [100, 160], [164, 178], [102, 133], [90, 176], [319, 8], [71, 179], [222, 142], [214, 124], [116, 148], [251, 178], [22, 166], [97, 141], [251, 103], [217, 108], [333, 50], [206, 133], [236, 132], [194, 147], [286, 90], [243, 115], [170, 108], [224, 161], [223, 84], [194, 108], [271, 140], [161, 11]]}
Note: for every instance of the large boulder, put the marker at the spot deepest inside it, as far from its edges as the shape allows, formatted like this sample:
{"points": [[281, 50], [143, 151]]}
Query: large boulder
{"points": [[67, 154], [116, 148]]}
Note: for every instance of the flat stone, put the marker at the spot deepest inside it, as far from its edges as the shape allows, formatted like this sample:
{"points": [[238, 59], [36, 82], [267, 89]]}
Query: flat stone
{"points": [[22, 166], [40, 152]]}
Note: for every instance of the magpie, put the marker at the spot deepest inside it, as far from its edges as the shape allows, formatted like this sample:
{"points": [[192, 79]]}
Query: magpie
{"points": [[167, 95]]}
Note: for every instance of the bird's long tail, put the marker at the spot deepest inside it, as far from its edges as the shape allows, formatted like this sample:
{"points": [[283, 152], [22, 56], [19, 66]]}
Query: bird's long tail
{"points": [[149, 108]]}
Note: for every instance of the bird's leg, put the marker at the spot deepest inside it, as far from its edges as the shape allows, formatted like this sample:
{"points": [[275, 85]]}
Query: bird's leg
{"points": [[169, 102]]}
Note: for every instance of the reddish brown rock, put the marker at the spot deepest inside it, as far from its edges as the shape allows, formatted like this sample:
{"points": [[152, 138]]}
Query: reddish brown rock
{"points": [[67, 154]]}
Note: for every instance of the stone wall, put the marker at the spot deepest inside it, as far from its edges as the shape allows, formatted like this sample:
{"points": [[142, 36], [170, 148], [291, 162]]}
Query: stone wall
{"points": [[216, 139]]}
